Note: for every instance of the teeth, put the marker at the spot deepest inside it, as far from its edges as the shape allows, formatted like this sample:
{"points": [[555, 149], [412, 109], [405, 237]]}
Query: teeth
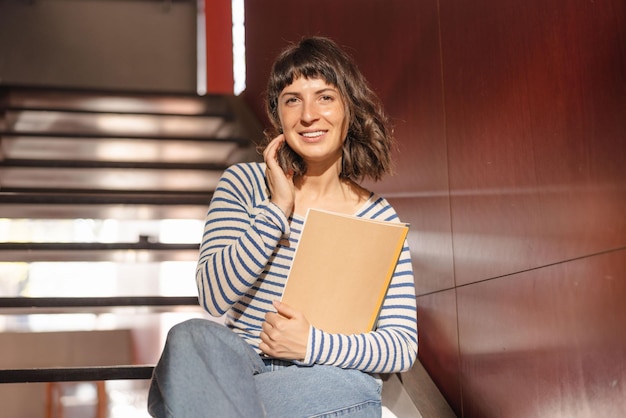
{"points": [[312, 134]]}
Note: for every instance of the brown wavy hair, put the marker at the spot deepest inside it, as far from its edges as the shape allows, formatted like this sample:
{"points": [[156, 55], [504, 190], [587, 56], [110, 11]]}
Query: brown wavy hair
{"points": [[367, 148]]}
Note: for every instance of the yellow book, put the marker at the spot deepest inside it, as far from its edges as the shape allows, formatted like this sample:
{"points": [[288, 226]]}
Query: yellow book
{"points": [[341, 270]]}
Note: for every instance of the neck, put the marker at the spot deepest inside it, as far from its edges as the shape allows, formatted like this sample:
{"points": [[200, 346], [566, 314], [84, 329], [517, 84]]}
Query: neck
{"points": [[321, 179], [325, 190]]}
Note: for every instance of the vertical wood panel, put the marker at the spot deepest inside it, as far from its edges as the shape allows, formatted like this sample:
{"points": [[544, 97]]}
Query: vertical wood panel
{"points": [[536, 121], [429, 239], [438, 344], [546, 343]]}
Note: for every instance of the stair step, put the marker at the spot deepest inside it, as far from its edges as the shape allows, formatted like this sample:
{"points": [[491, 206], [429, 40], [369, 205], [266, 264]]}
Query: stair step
{"points": [[84, 148], [107, 180], [47, 122], [53, 164], [41, 98]]}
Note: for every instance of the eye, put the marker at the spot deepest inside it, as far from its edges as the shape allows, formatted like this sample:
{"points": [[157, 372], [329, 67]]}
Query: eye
{"points": [[291, 100], [327, 98]]}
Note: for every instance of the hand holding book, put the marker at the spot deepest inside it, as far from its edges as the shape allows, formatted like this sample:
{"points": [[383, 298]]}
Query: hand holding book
{"points": [[285, 333], [341, 270]]}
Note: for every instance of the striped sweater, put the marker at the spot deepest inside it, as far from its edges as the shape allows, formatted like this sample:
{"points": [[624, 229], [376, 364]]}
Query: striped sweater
{"points": [[247, 248]]}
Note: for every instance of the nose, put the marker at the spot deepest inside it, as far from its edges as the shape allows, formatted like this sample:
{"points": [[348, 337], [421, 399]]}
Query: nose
{"points": [[309, 112]]}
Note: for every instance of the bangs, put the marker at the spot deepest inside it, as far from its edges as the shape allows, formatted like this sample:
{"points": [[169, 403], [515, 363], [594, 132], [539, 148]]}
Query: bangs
{"points": [[301, 64]]}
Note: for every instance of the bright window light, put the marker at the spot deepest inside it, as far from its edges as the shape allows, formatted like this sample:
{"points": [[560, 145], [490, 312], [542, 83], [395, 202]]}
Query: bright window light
{"points": [[201, 85], [239, 47]]}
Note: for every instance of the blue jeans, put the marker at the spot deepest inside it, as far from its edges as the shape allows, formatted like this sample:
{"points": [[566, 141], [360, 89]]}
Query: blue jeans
{"points": [[206, 370]]}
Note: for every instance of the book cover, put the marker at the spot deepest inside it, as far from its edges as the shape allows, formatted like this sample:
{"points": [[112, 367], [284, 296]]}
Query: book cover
{"points": [[341, 270]]}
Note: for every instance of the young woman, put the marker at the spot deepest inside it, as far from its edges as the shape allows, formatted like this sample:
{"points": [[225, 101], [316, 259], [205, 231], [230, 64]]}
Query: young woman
{"points": [[328, 132]]}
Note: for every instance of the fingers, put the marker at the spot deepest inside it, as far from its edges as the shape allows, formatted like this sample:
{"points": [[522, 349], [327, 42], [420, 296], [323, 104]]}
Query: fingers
{"points": [[280, 184], [284, 310], [265, 334], [272, 328], [268, 343], [273, 170], [271, 318], [269, 155], [285, 333]]}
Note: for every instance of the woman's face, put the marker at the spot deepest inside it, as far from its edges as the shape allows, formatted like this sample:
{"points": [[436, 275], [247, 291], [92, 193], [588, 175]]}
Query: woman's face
{"points": [[313, 117]]}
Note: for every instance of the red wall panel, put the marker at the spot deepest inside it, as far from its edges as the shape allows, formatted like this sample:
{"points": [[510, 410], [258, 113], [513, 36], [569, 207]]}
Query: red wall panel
{"points": [[547, 342], [438, 343], [536, 121], [535, 104]]}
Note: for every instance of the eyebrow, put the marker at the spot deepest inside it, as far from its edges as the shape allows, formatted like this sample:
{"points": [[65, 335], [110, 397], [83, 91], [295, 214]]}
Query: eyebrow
{"points": [[324, 90]]}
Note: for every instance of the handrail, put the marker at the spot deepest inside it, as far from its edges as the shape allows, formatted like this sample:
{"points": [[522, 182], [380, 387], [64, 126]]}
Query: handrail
{"points": [[84, 302], [95, 246], [76, 374]]}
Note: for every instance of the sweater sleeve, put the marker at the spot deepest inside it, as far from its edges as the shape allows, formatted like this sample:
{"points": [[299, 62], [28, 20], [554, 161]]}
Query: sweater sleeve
{"points": [[242, 228], [391, 347]]}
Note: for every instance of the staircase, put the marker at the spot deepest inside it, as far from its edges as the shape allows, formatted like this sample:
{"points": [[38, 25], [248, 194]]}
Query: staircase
{"points": [[98, 152], [133, 158]]}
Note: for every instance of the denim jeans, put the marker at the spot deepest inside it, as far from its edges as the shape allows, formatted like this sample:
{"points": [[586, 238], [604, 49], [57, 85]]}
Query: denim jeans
{"points": [[206, 370]]}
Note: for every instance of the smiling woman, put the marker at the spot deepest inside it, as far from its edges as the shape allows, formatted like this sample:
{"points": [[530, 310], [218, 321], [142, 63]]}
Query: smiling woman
{"points": [[328, 133]]}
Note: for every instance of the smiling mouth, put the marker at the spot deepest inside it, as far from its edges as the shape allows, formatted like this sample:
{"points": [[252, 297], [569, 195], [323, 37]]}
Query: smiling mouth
{"points": [[313, 135]]}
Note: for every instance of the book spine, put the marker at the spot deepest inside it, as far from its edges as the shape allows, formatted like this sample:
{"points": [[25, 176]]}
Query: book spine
{"points": [[392, 268]]}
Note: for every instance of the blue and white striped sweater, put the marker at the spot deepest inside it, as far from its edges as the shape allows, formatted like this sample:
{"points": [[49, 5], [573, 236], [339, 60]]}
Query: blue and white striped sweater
{"points": [[246, 251]]}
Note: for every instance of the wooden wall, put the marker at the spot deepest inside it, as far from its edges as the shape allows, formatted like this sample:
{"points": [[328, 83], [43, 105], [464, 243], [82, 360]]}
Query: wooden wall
{"points": [[511, 123]]}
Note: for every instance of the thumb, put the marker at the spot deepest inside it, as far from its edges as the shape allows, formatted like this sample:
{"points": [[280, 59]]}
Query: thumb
{"points": [[284, 310]]}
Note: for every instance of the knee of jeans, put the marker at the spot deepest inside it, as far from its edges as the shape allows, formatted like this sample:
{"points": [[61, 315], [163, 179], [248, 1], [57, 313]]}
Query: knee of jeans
{"points": [[184, 331]]}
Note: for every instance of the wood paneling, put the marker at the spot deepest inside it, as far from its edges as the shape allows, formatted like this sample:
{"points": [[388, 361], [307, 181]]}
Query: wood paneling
{"points": [[429, 240], [547, 342], [536, 120], [438, 343]]}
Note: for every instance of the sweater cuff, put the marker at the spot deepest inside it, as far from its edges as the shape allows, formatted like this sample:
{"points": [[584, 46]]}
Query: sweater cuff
{"points": [[278, 218], [312, 347]]}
